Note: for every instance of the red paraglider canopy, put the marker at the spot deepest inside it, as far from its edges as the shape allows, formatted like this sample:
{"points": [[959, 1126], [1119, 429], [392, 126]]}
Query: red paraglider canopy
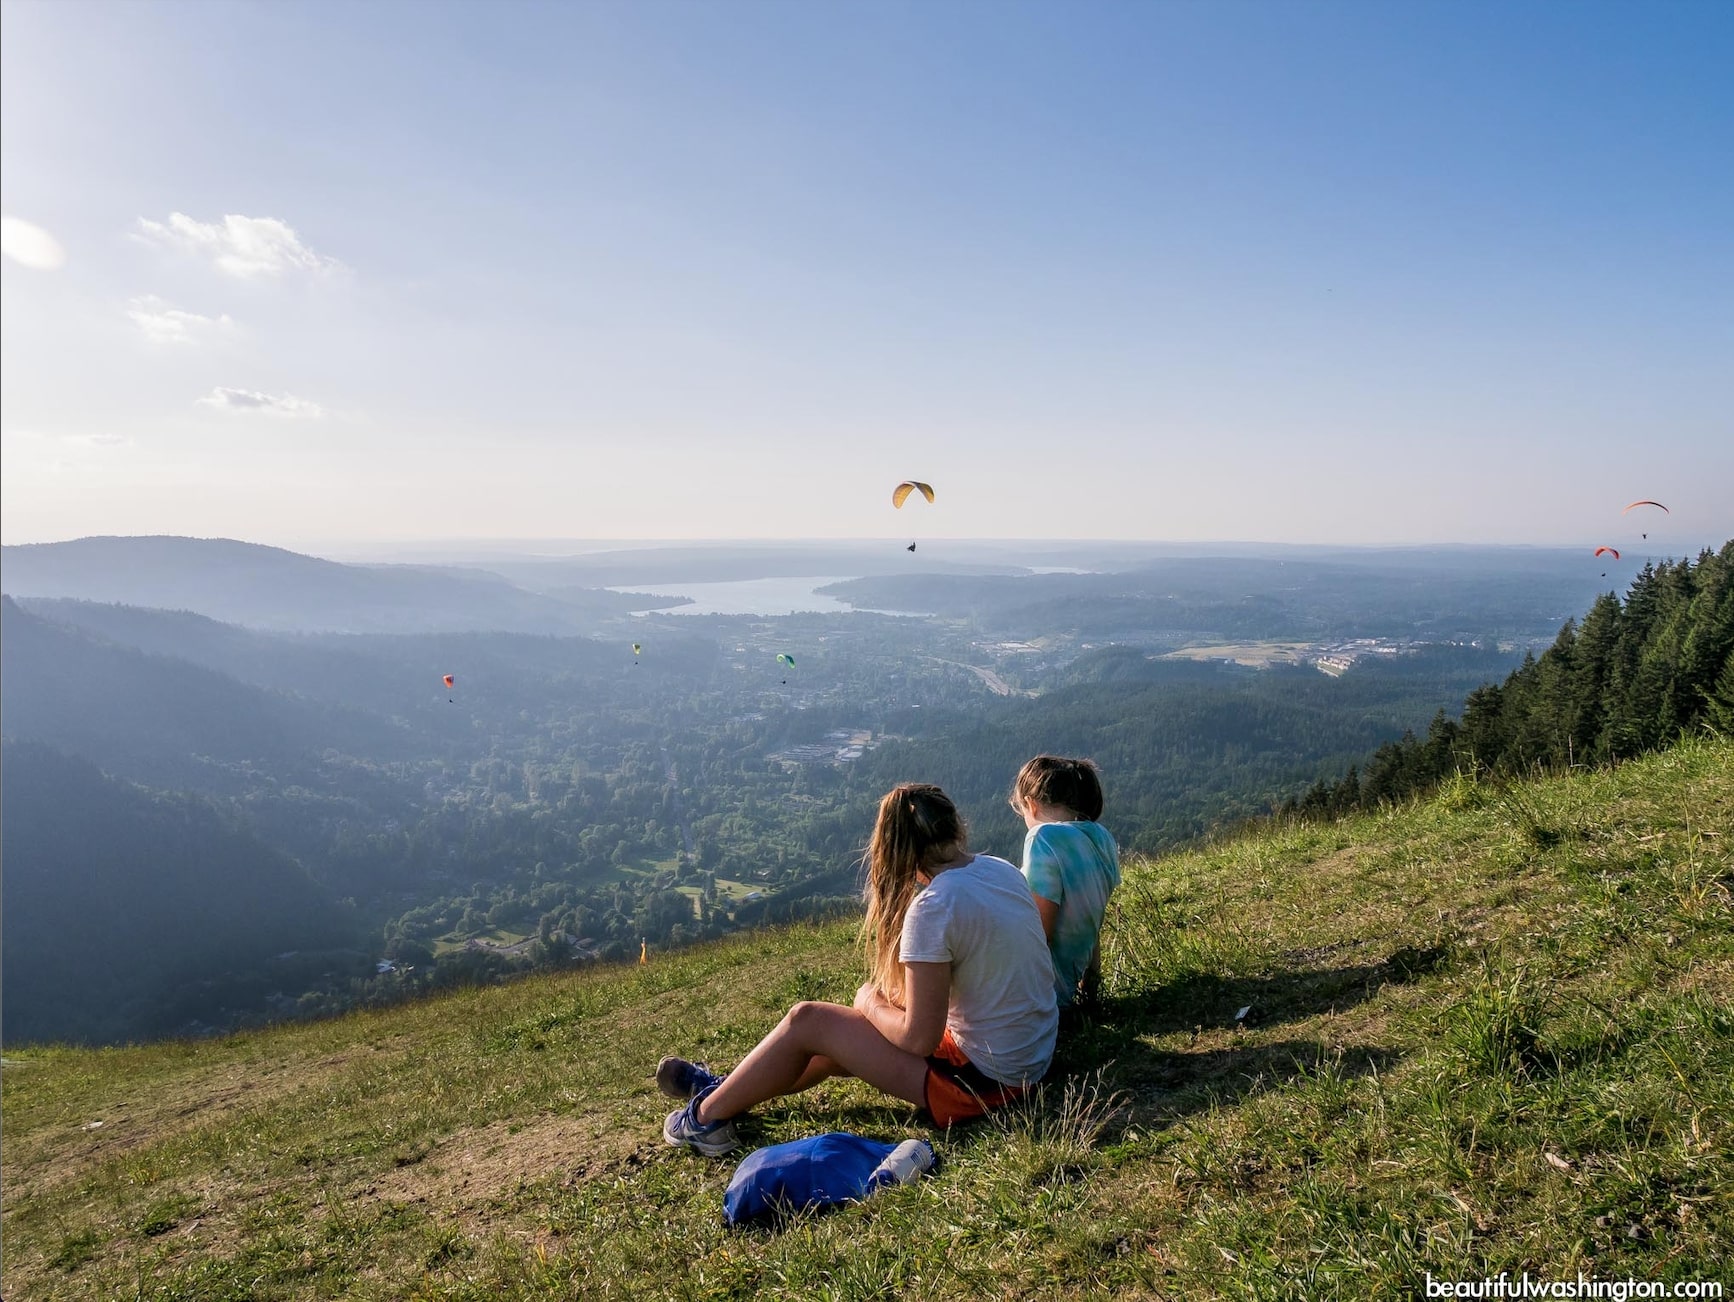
{"points": [[450, 680], [1607, 551]]}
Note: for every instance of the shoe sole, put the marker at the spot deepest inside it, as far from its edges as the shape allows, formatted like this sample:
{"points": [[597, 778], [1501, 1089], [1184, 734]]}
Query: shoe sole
{"points": [[665, 1081], [717, 1146]]}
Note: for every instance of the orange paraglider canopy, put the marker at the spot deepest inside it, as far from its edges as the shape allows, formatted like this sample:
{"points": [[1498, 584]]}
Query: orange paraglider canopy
{"points": [[1646, 502], [450, 680], [1607, 551]]}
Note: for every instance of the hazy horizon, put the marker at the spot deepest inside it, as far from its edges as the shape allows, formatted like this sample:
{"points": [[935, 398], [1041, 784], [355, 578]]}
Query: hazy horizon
{"points": [[480, 550]]}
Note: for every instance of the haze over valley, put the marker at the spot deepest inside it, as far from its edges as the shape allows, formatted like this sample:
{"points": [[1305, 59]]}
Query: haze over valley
{"points": [[350, 830]]}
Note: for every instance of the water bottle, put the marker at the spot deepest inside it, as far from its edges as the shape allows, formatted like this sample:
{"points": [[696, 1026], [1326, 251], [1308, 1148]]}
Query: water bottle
{"points": [[908, 1162]]}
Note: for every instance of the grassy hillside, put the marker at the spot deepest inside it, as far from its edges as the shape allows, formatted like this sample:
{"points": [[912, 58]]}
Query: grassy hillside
{"points": [[1492, 1031]]}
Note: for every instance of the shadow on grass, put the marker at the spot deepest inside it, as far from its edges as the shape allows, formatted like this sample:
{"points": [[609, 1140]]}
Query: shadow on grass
{"points": [[1205, 1000], [1155, 1087], [1114, 1035]]}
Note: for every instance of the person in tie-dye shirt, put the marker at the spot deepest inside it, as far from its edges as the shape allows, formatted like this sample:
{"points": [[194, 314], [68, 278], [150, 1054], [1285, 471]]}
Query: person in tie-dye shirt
{"points": [[1071, 864]]}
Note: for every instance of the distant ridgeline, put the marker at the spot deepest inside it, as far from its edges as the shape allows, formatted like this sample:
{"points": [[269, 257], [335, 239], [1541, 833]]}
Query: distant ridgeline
{"points": [[1628, 679]]}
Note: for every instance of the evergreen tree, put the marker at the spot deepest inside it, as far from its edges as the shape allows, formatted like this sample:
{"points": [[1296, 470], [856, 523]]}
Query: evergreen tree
{"points": [[1629, 678]]}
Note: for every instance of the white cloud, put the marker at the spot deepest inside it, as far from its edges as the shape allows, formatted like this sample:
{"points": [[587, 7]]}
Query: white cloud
{"points": [[241, 246], [269, 404], [163, 324], [29, 245]]}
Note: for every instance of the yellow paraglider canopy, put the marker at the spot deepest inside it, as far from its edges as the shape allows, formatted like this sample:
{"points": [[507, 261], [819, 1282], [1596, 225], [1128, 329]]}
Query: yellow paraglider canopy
{"points": [[900, 494]]}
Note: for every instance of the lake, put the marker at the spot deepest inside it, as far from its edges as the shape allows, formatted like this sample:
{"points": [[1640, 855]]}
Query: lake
{"points": [[787, 596]]}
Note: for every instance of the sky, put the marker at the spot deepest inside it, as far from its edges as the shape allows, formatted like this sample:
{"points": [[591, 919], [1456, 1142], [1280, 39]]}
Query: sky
{"points": [[1297, 272]]}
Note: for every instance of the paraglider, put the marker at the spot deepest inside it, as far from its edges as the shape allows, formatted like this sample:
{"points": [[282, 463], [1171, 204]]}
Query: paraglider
{"points": [[451, 681], [636, 648], [1646, 502], [787, 661], [900, 495]]}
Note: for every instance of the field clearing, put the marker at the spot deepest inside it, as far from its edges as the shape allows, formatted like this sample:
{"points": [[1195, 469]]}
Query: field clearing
{"points": [[499, 937], [1256, 655], [728, 892]]}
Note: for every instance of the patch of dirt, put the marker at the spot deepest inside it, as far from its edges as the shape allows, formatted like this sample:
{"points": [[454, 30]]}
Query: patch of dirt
{"points": [[56, 1155], [466, 1179], [476, 1167], [1312, 957], [1714, 976]]}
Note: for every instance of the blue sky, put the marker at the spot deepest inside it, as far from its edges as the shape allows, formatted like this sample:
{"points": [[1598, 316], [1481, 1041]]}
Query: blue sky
{"points": [[1298, 272]]}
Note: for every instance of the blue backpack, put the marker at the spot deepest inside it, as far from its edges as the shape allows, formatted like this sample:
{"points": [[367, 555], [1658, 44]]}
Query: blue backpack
{"points": [[819, 1172]]}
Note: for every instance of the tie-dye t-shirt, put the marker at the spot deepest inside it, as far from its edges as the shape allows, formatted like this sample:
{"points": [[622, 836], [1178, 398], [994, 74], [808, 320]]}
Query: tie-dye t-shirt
{"points": [[1076, 866]]}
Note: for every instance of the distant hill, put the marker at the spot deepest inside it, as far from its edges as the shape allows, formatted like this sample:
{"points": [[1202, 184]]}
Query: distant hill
{"points": [[1443, 595], [393, 675], [310, 664], [161, 719], [268, 587], [645, 567], [133, 913]]}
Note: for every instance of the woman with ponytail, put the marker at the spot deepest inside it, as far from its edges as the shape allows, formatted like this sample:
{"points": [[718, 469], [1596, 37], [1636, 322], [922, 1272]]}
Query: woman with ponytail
{"points": [[959, 1013]]}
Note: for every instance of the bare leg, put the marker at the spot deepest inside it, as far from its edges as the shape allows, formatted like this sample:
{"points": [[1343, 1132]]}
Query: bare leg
{"points": [[813, 1038], [819, 1068]]}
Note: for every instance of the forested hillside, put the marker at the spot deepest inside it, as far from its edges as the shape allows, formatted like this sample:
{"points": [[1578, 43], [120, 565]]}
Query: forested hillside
{"points": [[1433, 593], [1627, 678], [166, 721], [133, 913]]}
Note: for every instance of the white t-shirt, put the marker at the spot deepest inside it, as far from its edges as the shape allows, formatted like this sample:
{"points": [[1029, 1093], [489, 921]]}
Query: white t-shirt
{"points": [[981, 918]]}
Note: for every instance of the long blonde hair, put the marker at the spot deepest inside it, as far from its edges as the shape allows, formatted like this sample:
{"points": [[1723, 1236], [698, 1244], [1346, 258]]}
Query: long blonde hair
{"points": [[918, 829]]}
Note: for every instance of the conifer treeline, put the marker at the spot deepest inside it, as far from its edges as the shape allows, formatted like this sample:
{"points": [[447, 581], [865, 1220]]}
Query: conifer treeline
{"points": [[1629, 678]]}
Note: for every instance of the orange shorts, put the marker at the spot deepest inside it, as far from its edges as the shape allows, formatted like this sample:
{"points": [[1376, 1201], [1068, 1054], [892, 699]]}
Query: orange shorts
{"points": [[958, 1090]]}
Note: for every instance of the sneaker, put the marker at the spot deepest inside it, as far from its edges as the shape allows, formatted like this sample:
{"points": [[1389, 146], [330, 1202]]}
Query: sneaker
{"points": [[715, 1140], [680, 1079]]}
